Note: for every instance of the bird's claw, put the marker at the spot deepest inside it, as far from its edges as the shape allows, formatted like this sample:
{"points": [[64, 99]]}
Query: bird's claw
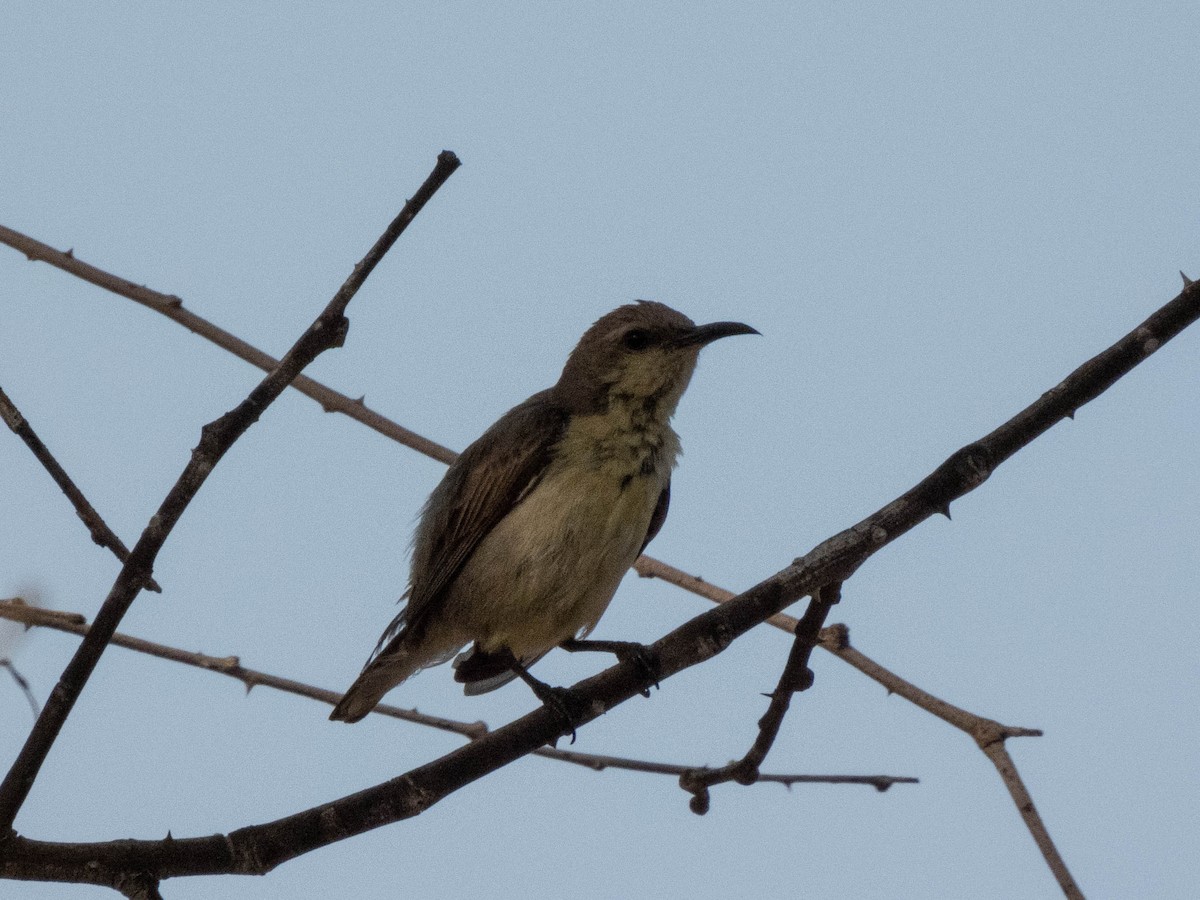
{"points": [[642, 655], [646, 659], [564, 703]]}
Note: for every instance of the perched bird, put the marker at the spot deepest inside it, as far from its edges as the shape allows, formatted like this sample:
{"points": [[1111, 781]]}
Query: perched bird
{"points": [[521, 546]]}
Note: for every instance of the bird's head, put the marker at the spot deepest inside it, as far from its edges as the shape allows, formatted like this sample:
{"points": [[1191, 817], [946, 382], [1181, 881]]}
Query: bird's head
{"points": [[643, 352]]}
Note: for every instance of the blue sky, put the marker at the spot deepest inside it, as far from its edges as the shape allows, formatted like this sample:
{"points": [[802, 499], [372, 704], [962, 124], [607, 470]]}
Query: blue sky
{"points": [[932, 213]]}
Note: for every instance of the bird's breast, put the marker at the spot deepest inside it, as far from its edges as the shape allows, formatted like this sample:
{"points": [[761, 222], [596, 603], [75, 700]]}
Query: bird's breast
{"points": [[549, 569]]}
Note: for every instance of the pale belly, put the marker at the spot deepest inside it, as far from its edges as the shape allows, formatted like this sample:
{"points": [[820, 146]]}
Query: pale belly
{"points": [[549, 569]]}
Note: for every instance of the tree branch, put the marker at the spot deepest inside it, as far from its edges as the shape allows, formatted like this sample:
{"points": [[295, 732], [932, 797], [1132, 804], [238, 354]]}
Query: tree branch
{"points": [[988, 734], [998, 754], [796, 677], [101, 533], [172, 307], [328, 330], [22, 683], [259, 848], [16, 610]]}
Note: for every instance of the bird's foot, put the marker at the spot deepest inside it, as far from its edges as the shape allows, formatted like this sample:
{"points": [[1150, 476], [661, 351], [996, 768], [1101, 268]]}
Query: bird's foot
{"points": [[643, 656], [564, 703]]}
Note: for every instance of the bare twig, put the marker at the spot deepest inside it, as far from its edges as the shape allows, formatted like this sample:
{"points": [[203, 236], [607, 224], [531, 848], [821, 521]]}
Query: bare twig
{"points": [[988, 734], [836, 639], [998, 754], [258, 849], [649, 567], [172, 307], [327, 331], [796, 677], [16, 610], [22, 683], [101, 533]]}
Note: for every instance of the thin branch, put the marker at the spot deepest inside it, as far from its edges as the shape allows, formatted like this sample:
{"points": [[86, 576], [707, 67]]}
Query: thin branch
{"points": [[796, 677], [649, 567], [260, 848], [836, 639], [16, 610], [22, 683], [988, 734], [172, 307], [998, 754], [101, 533], [327, 331]]}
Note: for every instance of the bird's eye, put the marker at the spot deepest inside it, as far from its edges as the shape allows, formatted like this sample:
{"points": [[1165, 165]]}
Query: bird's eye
{"points": [[636, 339]]}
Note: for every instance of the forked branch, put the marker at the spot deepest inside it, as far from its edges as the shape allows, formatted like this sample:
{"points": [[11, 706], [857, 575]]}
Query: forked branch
{"points": [[101, 533], [796, 677], [328, 330]]}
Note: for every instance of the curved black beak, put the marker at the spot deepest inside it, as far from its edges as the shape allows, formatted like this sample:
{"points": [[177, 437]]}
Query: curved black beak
{"points": [[706, 334]]}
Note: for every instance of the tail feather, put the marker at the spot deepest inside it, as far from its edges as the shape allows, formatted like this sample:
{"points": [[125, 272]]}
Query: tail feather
{"points": [[480, 672], [381, 675]]}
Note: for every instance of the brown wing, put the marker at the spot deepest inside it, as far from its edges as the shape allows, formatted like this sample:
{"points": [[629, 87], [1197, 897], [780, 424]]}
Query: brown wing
{"points": [[479, 489]]}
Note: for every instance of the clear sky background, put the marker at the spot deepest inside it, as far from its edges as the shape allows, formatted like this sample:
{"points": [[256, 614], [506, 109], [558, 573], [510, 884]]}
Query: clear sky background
{"points": [[932, 212]]}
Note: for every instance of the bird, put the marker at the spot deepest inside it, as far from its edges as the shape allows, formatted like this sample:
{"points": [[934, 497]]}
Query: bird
{"points": [[521, 546]]}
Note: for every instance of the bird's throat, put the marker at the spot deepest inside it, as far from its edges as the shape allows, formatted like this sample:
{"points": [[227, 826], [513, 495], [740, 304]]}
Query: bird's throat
{"points": [[631, 438]]}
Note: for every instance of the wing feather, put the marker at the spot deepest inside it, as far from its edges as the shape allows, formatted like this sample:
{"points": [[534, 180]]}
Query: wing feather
{"points": [[479, 489]]}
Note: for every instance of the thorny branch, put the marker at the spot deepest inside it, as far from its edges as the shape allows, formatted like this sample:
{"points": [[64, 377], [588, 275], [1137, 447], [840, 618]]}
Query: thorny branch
{"points": [[988, 734], [172, 307], [260, 848], [16, 610], [327, 331], [796, 677]]}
